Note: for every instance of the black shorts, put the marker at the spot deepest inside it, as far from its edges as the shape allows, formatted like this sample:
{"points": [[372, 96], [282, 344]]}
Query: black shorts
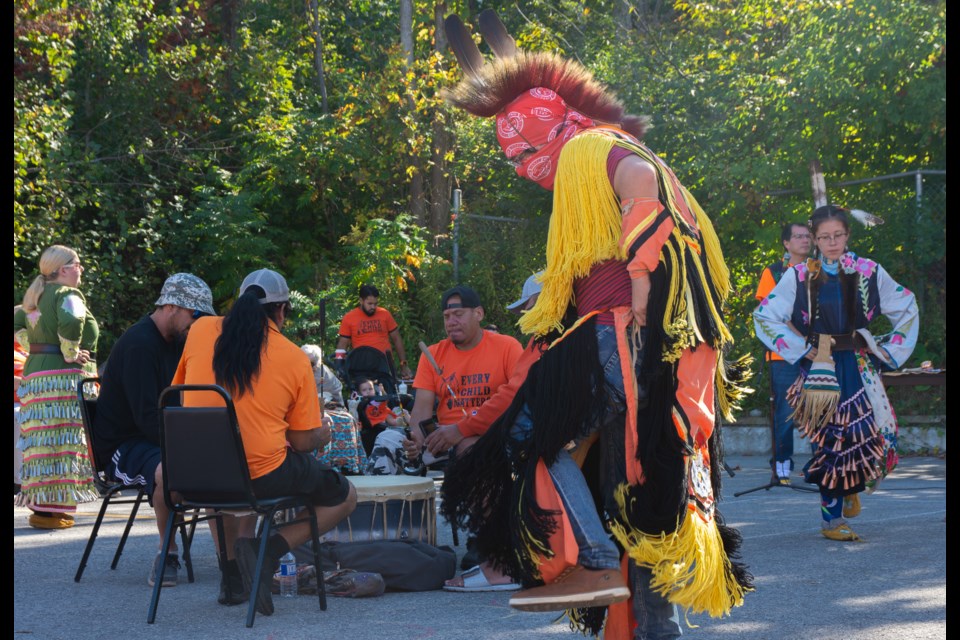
{"points": [[303, 475], [135, 462]]}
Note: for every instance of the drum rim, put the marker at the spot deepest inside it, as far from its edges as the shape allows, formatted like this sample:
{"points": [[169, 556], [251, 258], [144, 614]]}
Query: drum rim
{"points": [[408, 488]]}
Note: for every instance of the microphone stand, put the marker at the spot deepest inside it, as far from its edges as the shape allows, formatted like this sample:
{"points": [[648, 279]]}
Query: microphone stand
{"points": [[774, 481]]}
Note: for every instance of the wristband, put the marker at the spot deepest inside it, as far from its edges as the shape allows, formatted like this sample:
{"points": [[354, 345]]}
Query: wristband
{"points": [[339, 354]]}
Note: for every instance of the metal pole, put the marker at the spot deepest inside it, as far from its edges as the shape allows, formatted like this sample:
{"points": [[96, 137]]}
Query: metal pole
{"points": [[455, 209], [919, 190]]}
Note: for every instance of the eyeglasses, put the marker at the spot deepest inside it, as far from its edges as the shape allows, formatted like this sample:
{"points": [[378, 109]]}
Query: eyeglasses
{"points": [[837, 237], [197, 314], [74, 264], [801, 236]]}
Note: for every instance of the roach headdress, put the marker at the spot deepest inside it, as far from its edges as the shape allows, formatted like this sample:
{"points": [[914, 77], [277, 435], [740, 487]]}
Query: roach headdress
{"points": [[488, 87]]}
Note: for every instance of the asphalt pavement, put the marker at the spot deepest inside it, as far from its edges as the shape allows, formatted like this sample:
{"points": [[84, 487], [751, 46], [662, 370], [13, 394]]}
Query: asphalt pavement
{"points": [[891, 585]]}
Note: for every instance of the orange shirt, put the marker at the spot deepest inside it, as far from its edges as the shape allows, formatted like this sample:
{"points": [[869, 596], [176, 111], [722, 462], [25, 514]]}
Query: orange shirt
{"points": [[477, 423], [767, 283], [284, 395], [474, 375], [368, 331]]}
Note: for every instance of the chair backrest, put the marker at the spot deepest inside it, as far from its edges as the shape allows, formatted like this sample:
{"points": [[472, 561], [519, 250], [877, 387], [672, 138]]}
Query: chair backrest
{"points": [[369, 362], [202, 451], [88, 413]]}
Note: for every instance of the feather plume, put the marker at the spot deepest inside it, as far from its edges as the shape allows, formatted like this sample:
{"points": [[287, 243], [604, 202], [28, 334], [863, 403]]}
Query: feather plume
{"points": [[866, 219]]}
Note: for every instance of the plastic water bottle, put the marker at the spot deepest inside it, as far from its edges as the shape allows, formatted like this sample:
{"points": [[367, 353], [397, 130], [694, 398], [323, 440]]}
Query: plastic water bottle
{"points": [[288, 575], [402, 388]]}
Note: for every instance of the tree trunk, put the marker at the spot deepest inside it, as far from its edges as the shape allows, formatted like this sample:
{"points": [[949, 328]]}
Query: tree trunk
{"points": [[318, 55], [417, 200], [621, 14], [442, 141]]}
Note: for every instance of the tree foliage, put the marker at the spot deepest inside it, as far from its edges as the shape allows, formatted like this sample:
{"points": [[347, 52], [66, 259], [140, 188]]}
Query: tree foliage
{"points": [[192, 136]]}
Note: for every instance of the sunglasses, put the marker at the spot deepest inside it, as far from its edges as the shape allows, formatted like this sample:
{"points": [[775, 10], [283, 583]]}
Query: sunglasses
{"points": [[197, 314]]}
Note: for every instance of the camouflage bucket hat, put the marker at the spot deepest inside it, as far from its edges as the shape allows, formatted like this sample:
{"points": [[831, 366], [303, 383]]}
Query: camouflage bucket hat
{"points": [[188, 291]]}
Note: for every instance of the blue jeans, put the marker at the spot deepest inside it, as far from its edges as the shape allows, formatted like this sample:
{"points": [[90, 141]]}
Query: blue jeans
{"points": [[782, 375], [657, 619]]}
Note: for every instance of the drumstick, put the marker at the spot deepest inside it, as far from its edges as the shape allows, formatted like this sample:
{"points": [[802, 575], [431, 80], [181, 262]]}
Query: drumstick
{"points": [[436, 367]]}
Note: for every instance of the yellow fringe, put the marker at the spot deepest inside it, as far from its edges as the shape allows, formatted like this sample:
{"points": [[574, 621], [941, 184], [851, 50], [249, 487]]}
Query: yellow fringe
{"points": [[718, 268], [532, 551], [729, 392], [689, 565], [584, 228]]}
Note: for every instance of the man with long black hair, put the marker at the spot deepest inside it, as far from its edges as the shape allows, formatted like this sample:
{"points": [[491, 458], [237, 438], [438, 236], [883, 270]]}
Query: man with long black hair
{"points": [[273, 390]]}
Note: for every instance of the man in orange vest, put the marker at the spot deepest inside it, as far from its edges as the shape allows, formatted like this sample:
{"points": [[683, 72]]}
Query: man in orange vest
{"points": [[796, 240]]}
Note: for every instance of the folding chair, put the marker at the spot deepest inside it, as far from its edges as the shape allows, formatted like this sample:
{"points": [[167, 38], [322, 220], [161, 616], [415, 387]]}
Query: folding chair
{"points": [[205, 467], [110, 488]]}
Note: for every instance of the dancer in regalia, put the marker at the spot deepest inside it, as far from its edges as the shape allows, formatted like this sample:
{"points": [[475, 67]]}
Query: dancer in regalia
{"points": [[632, 337]]}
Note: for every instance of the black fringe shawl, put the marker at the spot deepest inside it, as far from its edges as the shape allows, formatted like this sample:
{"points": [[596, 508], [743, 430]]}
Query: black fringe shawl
{"points": [[490, 490]]}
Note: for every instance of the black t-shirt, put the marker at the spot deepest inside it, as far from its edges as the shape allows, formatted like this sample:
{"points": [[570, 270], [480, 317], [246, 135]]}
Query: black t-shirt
{"points": [[141, 365]]}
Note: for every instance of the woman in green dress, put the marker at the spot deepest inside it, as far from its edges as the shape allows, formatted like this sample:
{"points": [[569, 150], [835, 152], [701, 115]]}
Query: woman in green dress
{"points": [[60, 333]]}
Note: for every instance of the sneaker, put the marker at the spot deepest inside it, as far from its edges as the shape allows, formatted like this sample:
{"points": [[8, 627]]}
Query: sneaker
{"points": [[575, 588], [169, 573], [246, 550], [783, 472]]}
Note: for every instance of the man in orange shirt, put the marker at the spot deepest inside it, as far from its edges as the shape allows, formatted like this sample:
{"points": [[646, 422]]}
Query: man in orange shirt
{"points": [[474, 363], [272, 385], [369, 325], [795, 238], [471, 427]]}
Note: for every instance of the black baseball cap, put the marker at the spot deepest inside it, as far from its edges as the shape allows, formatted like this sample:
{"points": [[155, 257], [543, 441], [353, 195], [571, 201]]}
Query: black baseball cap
{"points": [[468, 298]]}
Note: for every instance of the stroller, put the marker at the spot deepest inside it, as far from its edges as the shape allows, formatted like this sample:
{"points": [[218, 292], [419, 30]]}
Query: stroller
{"points": [[372, 364]]}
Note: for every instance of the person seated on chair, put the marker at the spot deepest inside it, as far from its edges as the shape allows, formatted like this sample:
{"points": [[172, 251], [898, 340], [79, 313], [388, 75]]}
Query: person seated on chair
{"points": [[126, 429], [369, 325], [329, 386], [345, 452], [477, 575], [473, 365], [274, 394]]}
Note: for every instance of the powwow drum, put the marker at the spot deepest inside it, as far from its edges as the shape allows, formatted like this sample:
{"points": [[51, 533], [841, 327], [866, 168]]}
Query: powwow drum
{"points": [[390, 508]]}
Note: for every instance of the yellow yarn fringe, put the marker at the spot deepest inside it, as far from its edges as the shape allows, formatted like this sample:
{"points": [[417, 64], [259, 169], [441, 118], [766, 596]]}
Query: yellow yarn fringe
{"points": [[731, 392], [584, 228], [689, 565], [531, 550], [718, 267]]}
